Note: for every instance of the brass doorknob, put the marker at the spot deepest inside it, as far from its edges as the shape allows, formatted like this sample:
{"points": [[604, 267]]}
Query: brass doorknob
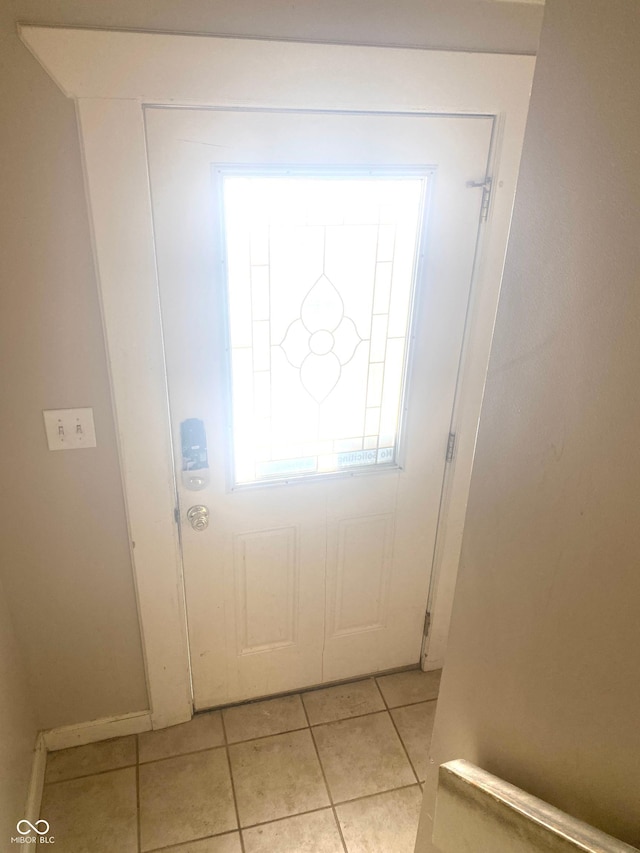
{"points": [[198, 517]]}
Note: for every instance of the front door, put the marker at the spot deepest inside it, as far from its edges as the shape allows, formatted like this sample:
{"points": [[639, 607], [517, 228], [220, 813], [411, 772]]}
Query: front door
{"points": [[314, 272]]}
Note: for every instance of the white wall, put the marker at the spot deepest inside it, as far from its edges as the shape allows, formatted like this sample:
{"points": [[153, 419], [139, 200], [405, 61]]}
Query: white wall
{"points": [[505, 27], [542, 677], [17, 726], [64, 552]]}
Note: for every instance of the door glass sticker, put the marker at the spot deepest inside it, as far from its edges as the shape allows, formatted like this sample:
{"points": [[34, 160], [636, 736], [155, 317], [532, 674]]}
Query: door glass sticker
{"points": [[320, 276]]}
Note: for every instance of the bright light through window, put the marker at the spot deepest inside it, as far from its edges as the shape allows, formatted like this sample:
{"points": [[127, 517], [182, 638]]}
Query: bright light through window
{"points": [[320, 278]]}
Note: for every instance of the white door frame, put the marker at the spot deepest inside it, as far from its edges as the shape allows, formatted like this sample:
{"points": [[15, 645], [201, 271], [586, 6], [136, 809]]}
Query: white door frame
{"points": [[112, 75]]}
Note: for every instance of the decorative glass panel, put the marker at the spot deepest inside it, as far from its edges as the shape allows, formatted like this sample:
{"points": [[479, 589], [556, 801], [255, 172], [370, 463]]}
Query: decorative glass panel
{"points": [[320, 278]]}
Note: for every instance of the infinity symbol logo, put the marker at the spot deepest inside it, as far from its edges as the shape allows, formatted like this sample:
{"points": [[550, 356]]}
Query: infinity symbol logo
{"points": [[32, 827]]}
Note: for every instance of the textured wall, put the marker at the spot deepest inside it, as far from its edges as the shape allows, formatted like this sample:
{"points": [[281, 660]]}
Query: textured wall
{"points": [[64, 553], [542, 677], [17, 726], [486, 25], [62, 525]]}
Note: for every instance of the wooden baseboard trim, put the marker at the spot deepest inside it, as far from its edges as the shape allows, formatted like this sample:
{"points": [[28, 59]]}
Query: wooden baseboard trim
{"points": [[95, 730], [36, 783]]}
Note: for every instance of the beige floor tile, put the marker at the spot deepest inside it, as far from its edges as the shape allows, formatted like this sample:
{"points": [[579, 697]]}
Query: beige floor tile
{"points": [[276, 777], [342, 701], [415, 725], [316, 832], [204, 731], [259, 719], [95, 814], [405, 688], [185, 798], [387, 822], [220, 844], [362, 756], [90, 759]]}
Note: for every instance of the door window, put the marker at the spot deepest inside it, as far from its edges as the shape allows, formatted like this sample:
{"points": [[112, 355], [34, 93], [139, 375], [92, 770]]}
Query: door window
{"points": [[320, 280]]}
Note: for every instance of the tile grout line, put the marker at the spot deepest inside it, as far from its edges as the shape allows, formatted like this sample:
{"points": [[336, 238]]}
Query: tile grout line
{"points": [[324, 777], [384, 701], [402, 744], [412, 704], [393, 723], [185, 844], [233, 787], [287, 817], [264, 737], [378, 794], [322, 808], [88, 775], [406, 751]]}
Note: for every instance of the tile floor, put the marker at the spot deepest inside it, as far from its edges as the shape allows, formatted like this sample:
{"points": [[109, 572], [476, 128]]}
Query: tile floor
{"points": [[324, 771]]}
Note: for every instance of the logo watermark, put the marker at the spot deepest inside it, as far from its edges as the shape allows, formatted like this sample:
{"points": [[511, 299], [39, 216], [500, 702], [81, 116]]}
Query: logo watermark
{"points": [[33, 833]]}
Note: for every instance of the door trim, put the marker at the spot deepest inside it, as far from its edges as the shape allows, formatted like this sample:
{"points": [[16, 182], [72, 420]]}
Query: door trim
{"points": [[112, 75]]}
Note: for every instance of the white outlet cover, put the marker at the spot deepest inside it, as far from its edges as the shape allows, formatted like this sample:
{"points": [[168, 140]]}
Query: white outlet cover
{"points": [[69, 429]]}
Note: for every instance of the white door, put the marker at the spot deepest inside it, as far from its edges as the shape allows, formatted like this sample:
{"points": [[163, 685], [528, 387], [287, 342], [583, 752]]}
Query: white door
{"points": [[314, 272]]}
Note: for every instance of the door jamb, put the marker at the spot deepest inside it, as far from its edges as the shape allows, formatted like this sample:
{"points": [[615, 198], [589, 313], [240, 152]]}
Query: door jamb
{"points": [[103, 71]]}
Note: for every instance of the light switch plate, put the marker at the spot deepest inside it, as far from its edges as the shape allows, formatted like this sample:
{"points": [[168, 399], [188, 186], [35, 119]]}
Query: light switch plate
{"points": [[69, 429]]}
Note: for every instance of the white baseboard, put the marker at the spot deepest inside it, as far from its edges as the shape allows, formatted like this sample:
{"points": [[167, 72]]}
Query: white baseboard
{"points": [[36, 783], [95, 730], [76, 735]]}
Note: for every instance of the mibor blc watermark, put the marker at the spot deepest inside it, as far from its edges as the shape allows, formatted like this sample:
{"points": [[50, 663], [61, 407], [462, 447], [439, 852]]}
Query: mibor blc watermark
{"points": [[33, 833]]}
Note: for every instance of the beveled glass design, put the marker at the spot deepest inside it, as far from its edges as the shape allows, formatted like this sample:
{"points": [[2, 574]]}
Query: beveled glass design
{"points": [[320, 279]]}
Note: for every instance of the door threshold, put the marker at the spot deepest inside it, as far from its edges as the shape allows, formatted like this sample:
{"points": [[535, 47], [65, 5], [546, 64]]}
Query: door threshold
{"points": [[313, 687]]}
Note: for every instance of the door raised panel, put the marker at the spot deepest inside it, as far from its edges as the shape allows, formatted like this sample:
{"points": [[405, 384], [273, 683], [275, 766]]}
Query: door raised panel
{"points": [[266, 570], [363, 555]]}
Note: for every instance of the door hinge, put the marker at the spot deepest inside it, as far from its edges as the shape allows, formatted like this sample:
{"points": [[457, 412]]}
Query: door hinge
{"points": [[176, 515], [427, 624], [487, 187], [451, 446]]}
